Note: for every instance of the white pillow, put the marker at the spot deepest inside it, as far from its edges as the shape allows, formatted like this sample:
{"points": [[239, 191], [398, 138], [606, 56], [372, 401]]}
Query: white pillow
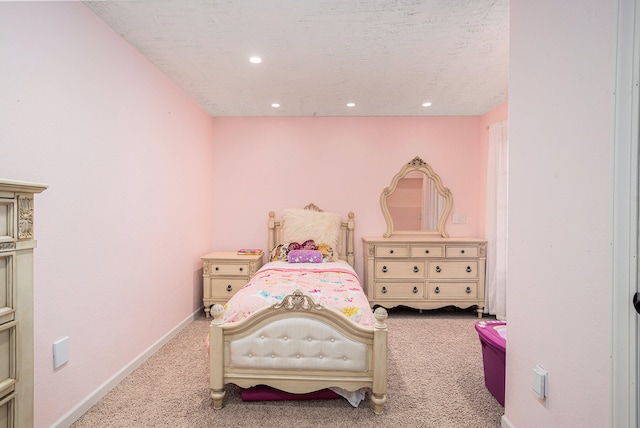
{"points": [[298, 225]]}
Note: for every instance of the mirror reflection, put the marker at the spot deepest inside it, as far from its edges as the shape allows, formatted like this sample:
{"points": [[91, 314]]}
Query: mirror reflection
{"points": [[416, 202]]}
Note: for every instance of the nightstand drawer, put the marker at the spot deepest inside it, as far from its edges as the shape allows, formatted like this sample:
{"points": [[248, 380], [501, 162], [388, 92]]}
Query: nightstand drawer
{"points": [[229, 269], [453, 290], [453, 270], [7, 357], [400, 269], [399, 290], [224, 288], [392, 250]]}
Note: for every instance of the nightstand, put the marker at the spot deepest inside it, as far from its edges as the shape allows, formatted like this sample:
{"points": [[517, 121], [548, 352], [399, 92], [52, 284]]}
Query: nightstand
{"points": [[224, 273]]}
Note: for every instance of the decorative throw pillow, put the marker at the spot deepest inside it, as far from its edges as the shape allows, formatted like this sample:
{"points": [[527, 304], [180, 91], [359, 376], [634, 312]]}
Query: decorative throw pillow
{"points": [[327, 252], [279, 252], [299, 225], [305, 256]]}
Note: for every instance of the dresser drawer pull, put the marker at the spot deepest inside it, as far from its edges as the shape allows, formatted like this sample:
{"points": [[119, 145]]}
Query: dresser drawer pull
{"points": [[437, 290], [468, 269], [426, 251], [217, 268], [229, 287], [468, 290], [415, 290], [438, 269], [384, 269], [384, 290], [415, 269], [461, 251], [241, 269], [390, 251]]}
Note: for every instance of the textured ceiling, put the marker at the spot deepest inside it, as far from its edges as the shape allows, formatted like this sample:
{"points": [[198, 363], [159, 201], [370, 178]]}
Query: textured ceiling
{"points": [[386, 56]]}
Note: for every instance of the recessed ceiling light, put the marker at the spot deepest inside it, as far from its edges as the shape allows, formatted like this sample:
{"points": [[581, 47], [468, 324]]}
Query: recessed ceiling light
{"points": [[351, 104], [255, 59], [427, 104], [275, 105]]}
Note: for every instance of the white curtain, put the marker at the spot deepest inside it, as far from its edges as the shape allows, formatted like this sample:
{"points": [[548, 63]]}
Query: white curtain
{"points": [[496, 226]]}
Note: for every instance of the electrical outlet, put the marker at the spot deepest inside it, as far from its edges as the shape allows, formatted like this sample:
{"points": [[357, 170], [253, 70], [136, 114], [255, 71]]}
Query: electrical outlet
{"points": [[539, 382], [60, 352]]}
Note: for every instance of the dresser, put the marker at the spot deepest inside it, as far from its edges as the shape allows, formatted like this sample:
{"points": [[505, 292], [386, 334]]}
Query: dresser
{"points": [[425, 273], [224, 273], [16, 302]]}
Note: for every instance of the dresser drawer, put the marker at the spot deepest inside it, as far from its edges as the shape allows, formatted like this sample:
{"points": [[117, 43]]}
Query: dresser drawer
{"points": [[228, 269], [7, 410], [453, 270], [399, 290], [400, 269], [392, 250], [461, 251], [453, 290], [224, 288], [7, 357], [427, 251]]}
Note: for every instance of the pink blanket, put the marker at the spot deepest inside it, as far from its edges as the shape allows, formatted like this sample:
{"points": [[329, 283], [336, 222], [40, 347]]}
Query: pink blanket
{"points": [[334, 285]]}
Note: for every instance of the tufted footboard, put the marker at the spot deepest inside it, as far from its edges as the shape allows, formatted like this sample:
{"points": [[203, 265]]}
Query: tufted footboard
{"points": [[298, 346]]}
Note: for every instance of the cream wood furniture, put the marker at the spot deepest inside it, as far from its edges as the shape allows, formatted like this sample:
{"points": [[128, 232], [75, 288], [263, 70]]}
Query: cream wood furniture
{"points": [[224, 273], [16, 302], [416, 203], [270, 334], [425, 273]]}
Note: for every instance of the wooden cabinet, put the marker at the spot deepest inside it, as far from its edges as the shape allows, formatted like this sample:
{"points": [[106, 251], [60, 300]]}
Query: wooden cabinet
{"points": [[224, 273], [425, 273], [16, 302]]}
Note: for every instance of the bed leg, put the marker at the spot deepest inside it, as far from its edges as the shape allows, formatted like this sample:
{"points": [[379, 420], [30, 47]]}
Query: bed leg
{"points": [[218, 398], [379, 390], [216, 357], [378, 401]]}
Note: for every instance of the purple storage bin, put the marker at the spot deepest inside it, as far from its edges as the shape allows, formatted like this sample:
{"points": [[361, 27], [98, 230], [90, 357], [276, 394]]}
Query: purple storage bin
{"points": [[493, 337]]}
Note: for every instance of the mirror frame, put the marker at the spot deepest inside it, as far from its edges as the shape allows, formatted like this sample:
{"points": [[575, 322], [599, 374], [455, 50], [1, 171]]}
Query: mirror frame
{"points": [[417, 164]]}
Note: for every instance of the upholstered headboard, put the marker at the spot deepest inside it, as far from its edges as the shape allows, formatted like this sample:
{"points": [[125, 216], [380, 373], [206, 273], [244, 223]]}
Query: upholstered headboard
{"points": [[345, 238]]}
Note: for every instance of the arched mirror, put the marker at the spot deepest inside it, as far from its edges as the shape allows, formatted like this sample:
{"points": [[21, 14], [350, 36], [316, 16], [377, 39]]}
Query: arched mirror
{"points": [[416, 202]]}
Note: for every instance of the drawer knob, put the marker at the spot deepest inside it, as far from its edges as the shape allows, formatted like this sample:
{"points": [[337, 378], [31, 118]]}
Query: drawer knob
{"points": [[437, 290], [384, 290], [390, 251], [217, 268], [461, 251], [415, 269], [415, 290], [438, 269], [468, 290], [241, 269], [468, 268], [426, 251], [229, 287], [384, 269]]}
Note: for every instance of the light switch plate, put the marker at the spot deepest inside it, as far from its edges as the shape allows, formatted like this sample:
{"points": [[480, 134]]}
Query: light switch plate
{"points": [[60, 352], [459, 218]]}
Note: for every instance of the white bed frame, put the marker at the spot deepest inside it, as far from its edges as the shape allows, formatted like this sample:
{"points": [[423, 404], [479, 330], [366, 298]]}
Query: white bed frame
{"points": [[299, 346]]}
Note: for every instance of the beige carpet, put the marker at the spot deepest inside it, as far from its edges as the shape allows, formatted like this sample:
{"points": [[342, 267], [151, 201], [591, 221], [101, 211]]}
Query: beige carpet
{"points": [[435, 379]]}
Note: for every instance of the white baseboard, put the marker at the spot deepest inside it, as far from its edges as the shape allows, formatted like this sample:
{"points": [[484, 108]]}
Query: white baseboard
{"points": [[81, 408], [506, 423]]}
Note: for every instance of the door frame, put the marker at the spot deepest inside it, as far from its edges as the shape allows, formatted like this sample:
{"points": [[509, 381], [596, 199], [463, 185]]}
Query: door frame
{"points": [[625, 159]]}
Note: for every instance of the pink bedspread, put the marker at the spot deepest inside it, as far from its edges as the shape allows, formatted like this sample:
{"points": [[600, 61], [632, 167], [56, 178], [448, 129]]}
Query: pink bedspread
{"points": [[333, 284]]}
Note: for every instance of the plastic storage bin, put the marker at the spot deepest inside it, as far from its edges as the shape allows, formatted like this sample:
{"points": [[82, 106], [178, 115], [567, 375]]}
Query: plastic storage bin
{"points": [[493, 338]]}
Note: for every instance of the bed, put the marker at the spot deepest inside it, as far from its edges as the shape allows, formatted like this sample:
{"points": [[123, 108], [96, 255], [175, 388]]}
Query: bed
{"points": [[304, 338]]}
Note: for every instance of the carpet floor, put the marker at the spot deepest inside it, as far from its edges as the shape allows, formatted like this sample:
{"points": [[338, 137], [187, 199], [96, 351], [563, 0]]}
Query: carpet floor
{"points": [[435, 379]]}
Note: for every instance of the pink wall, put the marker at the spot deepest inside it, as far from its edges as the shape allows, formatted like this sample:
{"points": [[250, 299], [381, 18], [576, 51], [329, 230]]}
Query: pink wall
{"points": [[562, 61], [341, 164], [124, 222]]}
